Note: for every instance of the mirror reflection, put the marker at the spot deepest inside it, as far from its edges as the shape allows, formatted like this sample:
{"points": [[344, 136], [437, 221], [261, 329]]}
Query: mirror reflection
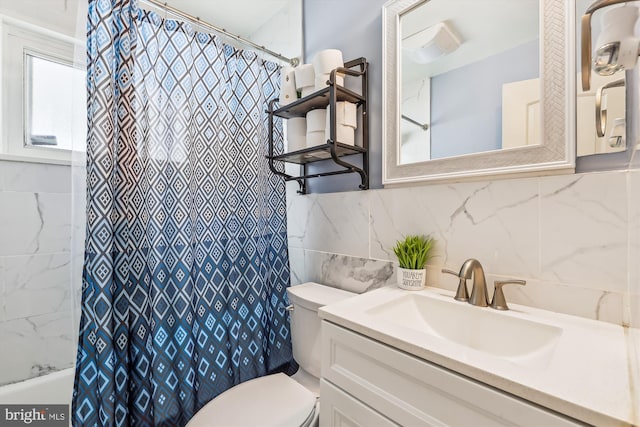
{"points": [[472, 84], [470, 79]]}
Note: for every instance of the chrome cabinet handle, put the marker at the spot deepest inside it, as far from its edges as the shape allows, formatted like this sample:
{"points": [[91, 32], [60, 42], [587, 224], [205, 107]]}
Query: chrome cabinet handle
{"points": [[462, 294], [289, 308], [498, 301]]}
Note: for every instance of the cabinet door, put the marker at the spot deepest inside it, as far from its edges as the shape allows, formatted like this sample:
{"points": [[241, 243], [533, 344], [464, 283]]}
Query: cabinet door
{"points": [[338, 409], [413, 392]]}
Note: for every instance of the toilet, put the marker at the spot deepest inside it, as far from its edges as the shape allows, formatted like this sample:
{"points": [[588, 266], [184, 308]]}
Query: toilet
{"points": [[280, 400]]}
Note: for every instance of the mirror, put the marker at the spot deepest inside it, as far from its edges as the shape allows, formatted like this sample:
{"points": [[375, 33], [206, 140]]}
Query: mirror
{"points": [[446, 52], [462, 88]]}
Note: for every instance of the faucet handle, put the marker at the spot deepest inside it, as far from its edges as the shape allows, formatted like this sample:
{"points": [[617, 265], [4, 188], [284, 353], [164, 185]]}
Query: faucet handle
{"points": [[498, 301], [461, 293]]}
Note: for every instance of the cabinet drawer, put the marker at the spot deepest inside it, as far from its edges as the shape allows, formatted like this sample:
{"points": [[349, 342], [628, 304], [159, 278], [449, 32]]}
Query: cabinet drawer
{"points": [[338, 409], [414, 392]]}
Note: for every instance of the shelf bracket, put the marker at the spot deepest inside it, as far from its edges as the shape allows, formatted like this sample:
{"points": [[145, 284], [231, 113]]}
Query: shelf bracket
{"points": [[364, 178], [301, 182]]}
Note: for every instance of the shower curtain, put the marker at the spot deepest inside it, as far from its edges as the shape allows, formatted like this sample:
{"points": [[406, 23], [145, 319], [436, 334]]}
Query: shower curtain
{"points": [[186, 260]]}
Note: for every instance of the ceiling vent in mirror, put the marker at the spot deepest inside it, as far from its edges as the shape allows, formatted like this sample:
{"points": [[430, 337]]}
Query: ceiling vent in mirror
{"points": [[431, 43]]}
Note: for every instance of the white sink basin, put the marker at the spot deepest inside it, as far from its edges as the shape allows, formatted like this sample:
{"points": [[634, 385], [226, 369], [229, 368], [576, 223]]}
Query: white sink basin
{"points": [[482, 329], [575, 366]]}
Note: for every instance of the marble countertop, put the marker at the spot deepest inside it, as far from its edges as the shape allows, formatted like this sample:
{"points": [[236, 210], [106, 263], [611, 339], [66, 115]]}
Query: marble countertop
{"points": [[586, 376]]}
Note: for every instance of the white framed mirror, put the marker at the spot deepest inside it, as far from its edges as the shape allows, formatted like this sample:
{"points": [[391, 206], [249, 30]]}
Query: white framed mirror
{"points": [[462, 84]]}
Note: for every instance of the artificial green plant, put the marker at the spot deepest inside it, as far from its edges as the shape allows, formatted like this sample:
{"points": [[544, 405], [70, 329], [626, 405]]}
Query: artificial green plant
{"points": [[413, 252]]}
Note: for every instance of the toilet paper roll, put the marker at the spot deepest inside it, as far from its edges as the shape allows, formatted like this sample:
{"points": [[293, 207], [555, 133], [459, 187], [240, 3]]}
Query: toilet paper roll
{"points": [[316, 120], [316, 138], [322, 79], [305, 76], [296, 133], [346, 114], [345, 134], [306, 91], [296, 126], [327, 60], [288, 76], [350, 117], [288, 92]]}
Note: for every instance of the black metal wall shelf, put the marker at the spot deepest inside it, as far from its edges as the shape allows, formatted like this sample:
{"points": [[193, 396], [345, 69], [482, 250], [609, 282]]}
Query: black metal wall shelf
{"points": [[319, 99], [333, 149], [319, 152]]}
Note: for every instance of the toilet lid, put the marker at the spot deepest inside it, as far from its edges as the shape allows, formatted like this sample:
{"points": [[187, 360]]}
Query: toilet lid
{"points": [[272, 400]]}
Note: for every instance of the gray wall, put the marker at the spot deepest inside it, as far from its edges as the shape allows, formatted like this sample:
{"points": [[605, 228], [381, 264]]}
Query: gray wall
{"points": [[354, 27]]}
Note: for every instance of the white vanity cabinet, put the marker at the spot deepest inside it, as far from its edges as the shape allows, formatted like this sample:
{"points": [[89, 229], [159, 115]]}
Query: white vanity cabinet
{"points": [[367, 383]]}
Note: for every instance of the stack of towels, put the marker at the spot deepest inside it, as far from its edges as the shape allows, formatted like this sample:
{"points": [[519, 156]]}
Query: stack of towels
{"points": [[314, 129]]}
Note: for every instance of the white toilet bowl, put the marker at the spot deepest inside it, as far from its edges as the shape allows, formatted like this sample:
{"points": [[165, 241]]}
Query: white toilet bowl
{"points": [[278, 400], [272, 400]]}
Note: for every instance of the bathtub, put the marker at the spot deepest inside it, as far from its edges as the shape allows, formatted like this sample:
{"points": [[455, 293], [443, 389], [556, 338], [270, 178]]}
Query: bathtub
{"points": [[50, 389]]}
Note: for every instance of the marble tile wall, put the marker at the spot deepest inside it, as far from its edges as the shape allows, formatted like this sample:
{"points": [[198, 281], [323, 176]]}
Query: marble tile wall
{"points": [[632, 309], [36, 298], [575, 239]]}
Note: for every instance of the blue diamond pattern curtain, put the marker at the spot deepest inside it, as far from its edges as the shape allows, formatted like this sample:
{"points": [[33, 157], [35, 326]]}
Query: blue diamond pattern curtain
{"points": [[186, 259]]}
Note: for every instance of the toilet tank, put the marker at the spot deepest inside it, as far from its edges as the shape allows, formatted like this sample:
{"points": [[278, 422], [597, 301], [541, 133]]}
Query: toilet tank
{"points": [[305, 323]]}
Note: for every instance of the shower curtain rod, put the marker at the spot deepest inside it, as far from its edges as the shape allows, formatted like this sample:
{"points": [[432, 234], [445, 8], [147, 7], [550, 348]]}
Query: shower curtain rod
{"points": [[196, 20]]}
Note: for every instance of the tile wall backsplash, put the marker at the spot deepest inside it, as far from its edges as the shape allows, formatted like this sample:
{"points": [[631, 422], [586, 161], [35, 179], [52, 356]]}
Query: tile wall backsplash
{"points": [[36, 299], [575, 239]]}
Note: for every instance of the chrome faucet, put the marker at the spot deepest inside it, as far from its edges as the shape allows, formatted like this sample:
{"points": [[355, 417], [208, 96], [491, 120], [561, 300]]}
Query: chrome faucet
{"points": [[479, 288], [498, 301], [471, 269]]}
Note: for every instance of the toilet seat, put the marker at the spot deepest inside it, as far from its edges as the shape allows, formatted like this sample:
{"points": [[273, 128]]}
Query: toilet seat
{"points": [[272, 400]]}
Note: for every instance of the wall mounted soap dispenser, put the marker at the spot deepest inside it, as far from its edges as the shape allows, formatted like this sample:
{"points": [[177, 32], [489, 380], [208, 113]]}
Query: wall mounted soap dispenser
{"points": [[617, 45]]}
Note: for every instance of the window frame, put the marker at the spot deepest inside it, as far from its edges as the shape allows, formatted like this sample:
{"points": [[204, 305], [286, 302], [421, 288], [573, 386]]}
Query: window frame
{"points": [[19, 40]]}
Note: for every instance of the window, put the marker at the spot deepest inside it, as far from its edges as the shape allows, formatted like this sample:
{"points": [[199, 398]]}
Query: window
{"points": [[44, 95], [55, 104]]}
